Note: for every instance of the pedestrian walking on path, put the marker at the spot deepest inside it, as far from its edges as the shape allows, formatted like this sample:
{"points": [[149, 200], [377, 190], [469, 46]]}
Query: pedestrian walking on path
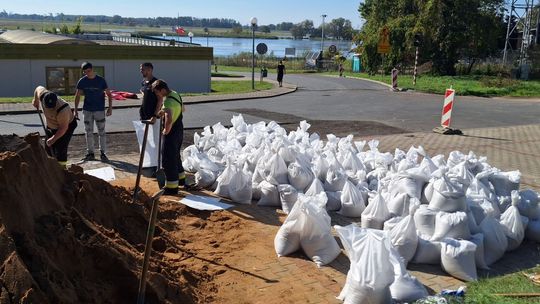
{"points": [[94, 88], [280, 73], [61, 122], [173, 134]]}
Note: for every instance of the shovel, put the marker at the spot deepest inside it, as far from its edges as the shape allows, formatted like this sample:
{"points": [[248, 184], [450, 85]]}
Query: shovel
{"points": [[47, 148], [148, 246], [160, 173], [141, 159]]}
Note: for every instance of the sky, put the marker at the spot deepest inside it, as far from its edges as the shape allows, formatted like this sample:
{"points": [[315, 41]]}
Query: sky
{"points": [[266, 11]]}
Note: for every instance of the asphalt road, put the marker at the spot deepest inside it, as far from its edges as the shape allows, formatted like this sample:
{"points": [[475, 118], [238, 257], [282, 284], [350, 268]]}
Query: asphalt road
{"points": [[331, 98]]}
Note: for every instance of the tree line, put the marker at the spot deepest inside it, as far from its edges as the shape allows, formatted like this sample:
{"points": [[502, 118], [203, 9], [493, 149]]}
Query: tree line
{"points": [[445, 30], [338, 28]]}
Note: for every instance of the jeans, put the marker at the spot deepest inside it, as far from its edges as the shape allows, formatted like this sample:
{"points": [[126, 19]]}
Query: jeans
{"points": [[99, 118]]}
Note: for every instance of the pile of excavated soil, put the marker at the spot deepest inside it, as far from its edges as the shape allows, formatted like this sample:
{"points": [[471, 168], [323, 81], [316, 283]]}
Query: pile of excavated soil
{"points": [[66, 237]]}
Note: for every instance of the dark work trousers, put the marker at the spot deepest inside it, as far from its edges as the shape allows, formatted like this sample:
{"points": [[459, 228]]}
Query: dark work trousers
{"points": [[60, 147], [172, 142]]}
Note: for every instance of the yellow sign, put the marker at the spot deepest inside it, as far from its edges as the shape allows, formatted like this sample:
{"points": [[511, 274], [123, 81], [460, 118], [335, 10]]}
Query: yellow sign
{"points": [[384, 41]]}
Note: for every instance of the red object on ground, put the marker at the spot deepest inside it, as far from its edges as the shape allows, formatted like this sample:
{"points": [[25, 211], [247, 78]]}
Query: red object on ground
{"points": [[121, 95]]}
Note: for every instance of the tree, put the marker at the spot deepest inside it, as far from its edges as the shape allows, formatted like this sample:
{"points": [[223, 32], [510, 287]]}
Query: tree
{"points": [[452, 29], [339, 28], [77, 28], [299, 30], [264, 28]]}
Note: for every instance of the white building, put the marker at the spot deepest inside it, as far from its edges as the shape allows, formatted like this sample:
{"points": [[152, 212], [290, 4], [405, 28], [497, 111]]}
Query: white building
{"points": [[30, 58]]}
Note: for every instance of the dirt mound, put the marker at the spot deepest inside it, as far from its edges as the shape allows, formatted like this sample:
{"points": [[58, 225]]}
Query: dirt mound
{"points": [[66, 237]]}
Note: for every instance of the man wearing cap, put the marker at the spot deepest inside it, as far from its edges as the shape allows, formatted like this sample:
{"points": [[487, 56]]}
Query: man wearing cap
{"points": [[61, 122], [94, 88]]}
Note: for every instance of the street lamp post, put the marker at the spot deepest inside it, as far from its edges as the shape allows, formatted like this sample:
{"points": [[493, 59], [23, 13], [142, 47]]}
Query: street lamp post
{"points": [[207, 33], [253, 22], [190, 34], [322, 33]]}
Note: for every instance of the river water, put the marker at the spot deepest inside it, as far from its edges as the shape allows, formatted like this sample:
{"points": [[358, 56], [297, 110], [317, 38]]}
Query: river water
{"points": [[229, 46]]}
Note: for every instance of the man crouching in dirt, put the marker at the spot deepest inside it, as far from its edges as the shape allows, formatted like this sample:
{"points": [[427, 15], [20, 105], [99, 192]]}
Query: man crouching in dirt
{"points": [[61, 122], [173, 134]]}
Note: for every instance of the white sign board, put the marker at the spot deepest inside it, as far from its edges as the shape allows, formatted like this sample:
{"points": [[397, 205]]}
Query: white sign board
{"points": [[200, 202], [105, 173]]}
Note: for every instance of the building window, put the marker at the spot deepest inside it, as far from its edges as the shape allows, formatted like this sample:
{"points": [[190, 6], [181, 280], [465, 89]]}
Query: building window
{"points": [[63, 80]]}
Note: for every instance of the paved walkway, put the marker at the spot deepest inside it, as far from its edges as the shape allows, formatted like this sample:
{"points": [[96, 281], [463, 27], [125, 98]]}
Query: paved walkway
{"points": [[508, 148], [27, 108]]}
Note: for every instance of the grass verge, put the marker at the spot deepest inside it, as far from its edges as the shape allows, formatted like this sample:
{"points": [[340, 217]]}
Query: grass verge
{"points": [[484, 86], [482, 292]]}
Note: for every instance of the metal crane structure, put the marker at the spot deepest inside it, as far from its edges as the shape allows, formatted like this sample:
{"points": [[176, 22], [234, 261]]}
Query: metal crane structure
{"points": [[526, 21]]}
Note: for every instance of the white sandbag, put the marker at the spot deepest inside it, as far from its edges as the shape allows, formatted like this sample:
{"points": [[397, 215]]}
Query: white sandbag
{"points": [[424, 220], [495, 241], [447, 196], [320, 167], [461, 174], [288, 196], [399, 204], [315, 188], [224, 180], [317, 241], [391, 223], [528, 205], [300, 177], [255, 191], [405, 288], [334, 200], [458, 260], [505, 182], [205, 178], [276, 170], [269, 195], [427, 193], [404, 238], [473, 225], [151, 150], [376, 213], [478, 240], [533, 230], [427, 251], [287, 239], [335, 179], [451, 225], [370, 274], [352, 163], [240, 187], [352, 201], [511, 220]]}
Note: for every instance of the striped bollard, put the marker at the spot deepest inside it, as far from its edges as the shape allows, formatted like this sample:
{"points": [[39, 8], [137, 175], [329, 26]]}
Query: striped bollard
{"points": [[415, 67], [447, 108], [446, 117], [394, 79]]}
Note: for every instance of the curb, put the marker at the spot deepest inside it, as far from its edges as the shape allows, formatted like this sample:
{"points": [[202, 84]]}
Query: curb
{"points": [[212, 99]]}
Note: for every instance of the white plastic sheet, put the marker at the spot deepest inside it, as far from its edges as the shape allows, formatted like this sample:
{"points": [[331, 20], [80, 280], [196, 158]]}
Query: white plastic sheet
{"points": [[151, 150]]}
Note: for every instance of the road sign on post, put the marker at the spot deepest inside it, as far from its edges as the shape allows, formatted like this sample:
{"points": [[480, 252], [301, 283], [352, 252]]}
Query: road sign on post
{"points": [[262, 48], [383, 47], [332, 49]]}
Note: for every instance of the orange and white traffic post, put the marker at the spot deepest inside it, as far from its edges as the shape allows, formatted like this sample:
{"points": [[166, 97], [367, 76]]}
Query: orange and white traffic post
{"points": [[446, 116], [447, 108]]}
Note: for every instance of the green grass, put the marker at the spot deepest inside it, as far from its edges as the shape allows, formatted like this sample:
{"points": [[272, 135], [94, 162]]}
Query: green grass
{"points": [[481, 292], [242, 86], [485, 86], [218, 88]]}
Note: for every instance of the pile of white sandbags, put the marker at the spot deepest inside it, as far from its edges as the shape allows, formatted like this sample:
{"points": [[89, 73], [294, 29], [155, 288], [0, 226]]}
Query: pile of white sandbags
{"points": [[458, 212]]}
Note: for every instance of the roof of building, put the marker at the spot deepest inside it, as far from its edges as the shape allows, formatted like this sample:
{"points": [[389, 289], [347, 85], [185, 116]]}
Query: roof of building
{"points": [[35, 37]]}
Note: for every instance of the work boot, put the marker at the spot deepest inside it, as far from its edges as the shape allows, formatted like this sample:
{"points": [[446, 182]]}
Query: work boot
{"points": [[89, 157], [170, 191], [104, 157]]}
